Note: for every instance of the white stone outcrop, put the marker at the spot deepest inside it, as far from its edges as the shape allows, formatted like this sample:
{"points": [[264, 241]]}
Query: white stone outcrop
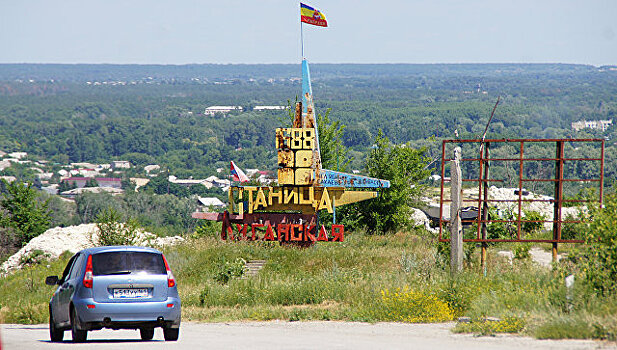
{"points": [[57, 240]]}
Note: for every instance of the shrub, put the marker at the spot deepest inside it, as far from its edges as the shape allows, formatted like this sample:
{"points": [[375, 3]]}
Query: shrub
{"points": [[573, 230], [230, 270], [34, 257], [112, 231], [521, 251], [207, 229], [27, 216], [599, 255], [530, 227], [501, 230], [405, 168], [407, 305]]}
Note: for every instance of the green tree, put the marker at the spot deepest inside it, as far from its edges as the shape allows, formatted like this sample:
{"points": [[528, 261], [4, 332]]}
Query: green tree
{"points": [[115, 231], [334, 155], [66, 186], [91, 183], [599, 254], [23, 212], [405, 168]]}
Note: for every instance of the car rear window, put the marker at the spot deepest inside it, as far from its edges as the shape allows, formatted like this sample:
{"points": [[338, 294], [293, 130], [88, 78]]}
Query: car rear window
{"points": [[123, 263]]}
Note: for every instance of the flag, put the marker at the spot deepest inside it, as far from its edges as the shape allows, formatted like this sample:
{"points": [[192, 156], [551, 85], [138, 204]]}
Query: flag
{"points": [[237, 174], [312, 16]]}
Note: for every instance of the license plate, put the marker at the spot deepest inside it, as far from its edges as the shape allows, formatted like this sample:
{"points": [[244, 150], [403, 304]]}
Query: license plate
{"points": [[131, 293]]}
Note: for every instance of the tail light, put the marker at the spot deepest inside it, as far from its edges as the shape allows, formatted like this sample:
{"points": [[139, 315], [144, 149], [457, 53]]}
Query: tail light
{"points": [[88, 275], [171, 281]]}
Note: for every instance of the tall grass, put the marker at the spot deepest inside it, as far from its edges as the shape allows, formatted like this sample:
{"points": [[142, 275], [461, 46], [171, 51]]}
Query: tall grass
{"points": [[356, 280]]}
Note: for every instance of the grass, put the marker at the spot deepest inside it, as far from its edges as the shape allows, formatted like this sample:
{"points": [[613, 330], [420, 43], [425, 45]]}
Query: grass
{"points": [[366, 278]]}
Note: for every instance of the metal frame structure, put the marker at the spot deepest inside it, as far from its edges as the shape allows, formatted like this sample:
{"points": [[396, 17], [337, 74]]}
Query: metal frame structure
{"points": [[484, 179]]}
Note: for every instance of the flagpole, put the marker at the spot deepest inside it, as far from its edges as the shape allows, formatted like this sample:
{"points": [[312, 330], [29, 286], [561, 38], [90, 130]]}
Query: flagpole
{"points": [[302, 38]]}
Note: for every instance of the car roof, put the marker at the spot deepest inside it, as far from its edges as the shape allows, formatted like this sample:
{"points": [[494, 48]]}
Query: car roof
{"points": [[96, 250]]}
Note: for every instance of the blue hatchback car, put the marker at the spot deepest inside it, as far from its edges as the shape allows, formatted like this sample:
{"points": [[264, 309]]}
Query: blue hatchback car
{"points": [[115, 287]]}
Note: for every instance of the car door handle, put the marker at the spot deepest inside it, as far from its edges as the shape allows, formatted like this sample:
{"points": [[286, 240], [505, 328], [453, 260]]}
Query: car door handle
{"points": [[65, 286]]}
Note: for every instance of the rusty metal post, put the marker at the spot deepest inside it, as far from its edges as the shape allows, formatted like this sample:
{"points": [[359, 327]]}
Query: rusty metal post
{"points": [[485, 205], [480, 196], [456, 227], [558, 196], [520, 191], [601, 174]]}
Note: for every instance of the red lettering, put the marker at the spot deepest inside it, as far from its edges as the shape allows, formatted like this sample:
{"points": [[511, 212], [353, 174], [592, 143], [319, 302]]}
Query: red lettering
{"points": [[227, 232], [338, 233], [242, 231], [283, 228], [323, 235], [293, 234], [308, 236], [254, 231], [269, 234]]}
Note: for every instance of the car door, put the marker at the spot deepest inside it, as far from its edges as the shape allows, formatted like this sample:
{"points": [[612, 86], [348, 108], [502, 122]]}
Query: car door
{"points": [[67, 288]]}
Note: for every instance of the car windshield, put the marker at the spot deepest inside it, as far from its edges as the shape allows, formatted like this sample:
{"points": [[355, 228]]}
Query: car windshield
{"points": [[121, 263]]}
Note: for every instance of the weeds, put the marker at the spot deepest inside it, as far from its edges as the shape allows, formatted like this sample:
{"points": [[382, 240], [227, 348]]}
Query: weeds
{"points": [[230, 270], [345, 282], [491, 327], [407, 305]]}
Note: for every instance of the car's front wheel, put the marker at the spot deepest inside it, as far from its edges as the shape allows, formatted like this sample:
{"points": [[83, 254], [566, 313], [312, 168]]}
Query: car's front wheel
{"points": [[79, 336], [146, 333], [171, 334], [55, 334]]}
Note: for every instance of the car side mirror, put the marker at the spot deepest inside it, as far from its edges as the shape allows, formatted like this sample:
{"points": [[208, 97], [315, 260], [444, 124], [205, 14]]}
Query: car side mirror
{"points": [[51, 280]]}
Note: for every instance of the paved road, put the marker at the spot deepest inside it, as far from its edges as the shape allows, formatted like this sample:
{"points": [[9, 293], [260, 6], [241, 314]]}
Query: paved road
{"points": [[290, 335]]}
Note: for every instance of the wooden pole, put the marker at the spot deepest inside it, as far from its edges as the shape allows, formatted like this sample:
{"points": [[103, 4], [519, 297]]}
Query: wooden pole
{"points": [[484, 207], [456, 227]]}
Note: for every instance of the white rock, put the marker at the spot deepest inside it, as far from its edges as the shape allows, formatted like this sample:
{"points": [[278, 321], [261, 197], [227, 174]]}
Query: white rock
{"points": [[57, 240], [420, 219], [508, 254]]}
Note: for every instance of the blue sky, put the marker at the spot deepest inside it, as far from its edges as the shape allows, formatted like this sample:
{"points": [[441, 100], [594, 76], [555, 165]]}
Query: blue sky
{"points": [[268, 31]]}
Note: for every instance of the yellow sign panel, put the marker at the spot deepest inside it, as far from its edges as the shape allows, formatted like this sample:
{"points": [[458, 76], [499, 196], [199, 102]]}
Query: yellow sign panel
{"points": [[304, 176], [286, 176], [306, 199], [295, 155], [304, 159]]}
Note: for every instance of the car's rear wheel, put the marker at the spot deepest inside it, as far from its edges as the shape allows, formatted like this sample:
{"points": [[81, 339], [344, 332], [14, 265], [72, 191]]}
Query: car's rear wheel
{"points": [[171, 334], [55, 334], [79, 336], [146, 333]]}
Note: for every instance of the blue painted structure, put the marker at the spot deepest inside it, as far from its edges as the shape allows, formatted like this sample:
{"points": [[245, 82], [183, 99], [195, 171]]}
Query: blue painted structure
{"points": [[331, 178]]}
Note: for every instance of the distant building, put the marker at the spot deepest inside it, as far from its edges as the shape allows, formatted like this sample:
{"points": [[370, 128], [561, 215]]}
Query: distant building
{"points": [[51, 189], [18, 155], [269, 108], [45, 176], [74, 192], [152, 167], [205, 203], [592, 124], [139, 182], [4, 164], [83, 165], [183, 182], [80, 182], [120, 164], [212, 110], [8, 178]]}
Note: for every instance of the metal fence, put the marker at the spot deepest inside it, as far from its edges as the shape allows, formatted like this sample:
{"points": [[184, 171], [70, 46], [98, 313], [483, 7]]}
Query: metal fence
{"points": [[503, 162]]}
